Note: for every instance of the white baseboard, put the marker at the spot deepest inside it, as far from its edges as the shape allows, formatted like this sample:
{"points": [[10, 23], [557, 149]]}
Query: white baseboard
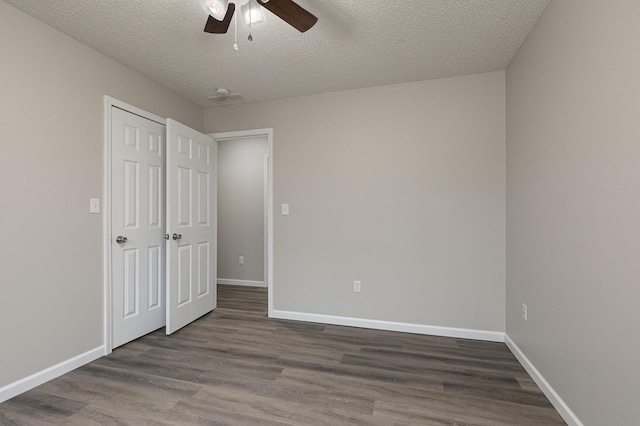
{"points": [[558, 403], [36, 379], [247, 283], [462, 333]]}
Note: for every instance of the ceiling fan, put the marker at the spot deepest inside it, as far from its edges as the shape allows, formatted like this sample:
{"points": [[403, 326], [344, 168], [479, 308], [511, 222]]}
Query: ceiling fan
{"points": [[224, 96], [221, 12]]}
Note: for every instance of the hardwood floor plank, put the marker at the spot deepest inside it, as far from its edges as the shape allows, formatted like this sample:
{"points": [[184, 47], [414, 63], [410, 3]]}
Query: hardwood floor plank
{"points": [[277, 393], [235, 366], [41, 406], [443, 409], [365, 387], [194, 413], [117, 415]]}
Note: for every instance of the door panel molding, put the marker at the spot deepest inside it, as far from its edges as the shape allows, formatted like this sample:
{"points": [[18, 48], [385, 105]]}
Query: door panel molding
{"points": [[192, 219], [133, 199], [109, 104]]}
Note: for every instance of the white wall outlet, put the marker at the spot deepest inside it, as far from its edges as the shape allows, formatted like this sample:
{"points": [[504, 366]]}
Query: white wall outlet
{"points": [[241, 260], [524, 312], [285, 210], [357, 286], [94, 205]]}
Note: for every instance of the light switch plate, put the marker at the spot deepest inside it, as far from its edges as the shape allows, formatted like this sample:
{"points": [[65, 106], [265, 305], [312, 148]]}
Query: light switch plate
{"points": [[285, 210], [94, 205]]}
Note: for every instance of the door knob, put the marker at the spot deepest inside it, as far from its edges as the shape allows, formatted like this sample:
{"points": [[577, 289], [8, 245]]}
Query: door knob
{"points": [[176, 236], [120, 239]]}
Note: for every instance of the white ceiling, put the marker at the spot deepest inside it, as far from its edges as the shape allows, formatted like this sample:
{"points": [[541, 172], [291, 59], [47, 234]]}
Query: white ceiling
{"points": [[355, 44]]}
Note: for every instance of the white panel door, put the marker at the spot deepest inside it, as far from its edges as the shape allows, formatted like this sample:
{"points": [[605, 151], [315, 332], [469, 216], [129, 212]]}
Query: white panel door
{"points": [[191, 224], [138, 210]]}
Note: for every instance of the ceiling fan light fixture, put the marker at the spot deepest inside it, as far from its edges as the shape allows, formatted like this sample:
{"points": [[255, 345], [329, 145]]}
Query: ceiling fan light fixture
{"points": [[252, 14], [287, 10], [216, 8]]}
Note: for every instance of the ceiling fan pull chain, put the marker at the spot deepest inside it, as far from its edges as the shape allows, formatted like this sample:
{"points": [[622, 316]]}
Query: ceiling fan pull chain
{"points": [[235, 36], [250, 38]]}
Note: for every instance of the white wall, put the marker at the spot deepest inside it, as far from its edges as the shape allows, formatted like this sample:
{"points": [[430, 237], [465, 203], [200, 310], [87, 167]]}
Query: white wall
{"points": [[573, 205], [241, 208], [401, 187], [51, 163]]}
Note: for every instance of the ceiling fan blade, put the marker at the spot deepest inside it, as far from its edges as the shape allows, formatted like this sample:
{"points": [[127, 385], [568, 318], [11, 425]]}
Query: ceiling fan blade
{"points": [[220, 27], [291, 13]]}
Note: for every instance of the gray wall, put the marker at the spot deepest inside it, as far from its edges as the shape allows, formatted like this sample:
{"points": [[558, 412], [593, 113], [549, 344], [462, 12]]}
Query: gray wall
{"points": [[401, 187], [241, 208], [51, 163], [573, 205]]}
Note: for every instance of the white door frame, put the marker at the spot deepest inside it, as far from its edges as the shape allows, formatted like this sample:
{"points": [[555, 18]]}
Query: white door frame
{"points": [[268, 133], [110, 102]]}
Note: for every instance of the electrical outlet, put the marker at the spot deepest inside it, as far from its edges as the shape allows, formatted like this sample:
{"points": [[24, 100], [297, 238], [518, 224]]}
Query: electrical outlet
{"points": [[524, 312], [241, 260], [357, 286]]}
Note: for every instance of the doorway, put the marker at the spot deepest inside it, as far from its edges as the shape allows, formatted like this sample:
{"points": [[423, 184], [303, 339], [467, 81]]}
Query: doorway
{"points": [[245, 197]]}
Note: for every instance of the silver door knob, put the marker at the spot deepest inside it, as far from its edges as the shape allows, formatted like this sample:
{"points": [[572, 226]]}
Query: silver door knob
{"points": [[120, 239], [177, 236]]}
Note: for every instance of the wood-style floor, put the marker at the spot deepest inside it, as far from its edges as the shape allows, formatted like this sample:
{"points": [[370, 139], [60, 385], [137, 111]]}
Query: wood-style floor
{"points": [[237, 367]]}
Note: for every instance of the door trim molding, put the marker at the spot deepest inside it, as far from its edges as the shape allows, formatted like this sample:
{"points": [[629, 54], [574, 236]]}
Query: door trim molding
{"points": [[268, 133], [110, 102]]}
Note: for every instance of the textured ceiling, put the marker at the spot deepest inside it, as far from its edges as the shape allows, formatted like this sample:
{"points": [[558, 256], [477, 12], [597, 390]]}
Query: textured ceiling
{"points": [[355, 44]]}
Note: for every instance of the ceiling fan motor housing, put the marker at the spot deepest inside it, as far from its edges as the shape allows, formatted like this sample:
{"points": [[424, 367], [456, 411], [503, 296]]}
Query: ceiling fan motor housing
{"points": [[287, 10]]}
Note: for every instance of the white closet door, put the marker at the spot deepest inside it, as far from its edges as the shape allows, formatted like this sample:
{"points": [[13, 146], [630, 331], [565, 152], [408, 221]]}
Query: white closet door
{"points": [[138, 246], [191, 225]]}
